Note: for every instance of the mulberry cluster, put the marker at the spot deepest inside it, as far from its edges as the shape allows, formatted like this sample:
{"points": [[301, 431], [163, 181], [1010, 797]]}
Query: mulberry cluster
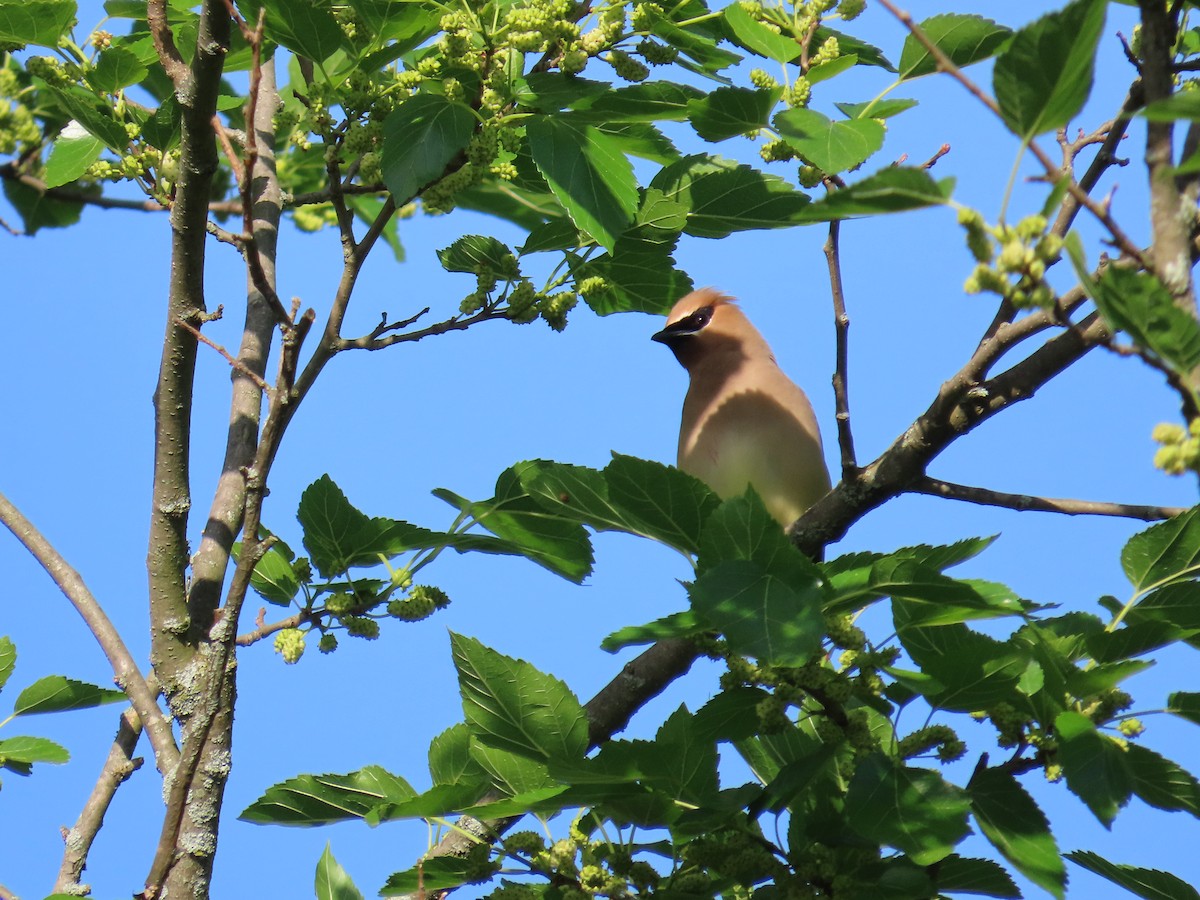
{"points": [[1180, 447], [290, 644], [1017, 273]]}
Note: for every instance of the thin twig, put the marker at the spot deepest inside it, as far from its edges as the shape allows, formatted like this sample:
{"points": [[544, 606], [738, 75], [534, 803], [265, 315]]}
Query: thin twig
{"points": [[841, 322], [127, 674], [932, 161], [164, 42], [265, 629], [1029, 503], [237, 364]]}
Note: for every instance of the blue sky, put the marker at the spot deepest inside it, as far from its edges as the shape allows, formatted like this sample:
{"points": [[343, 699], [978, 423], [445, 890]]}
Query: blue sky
{"points": [[83, 317]]}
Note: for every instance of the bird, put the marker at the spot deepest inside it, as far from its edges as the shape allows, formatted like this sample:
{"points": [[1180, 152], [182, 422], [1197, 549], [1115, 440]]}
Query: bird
{"points": [[744, 421]]}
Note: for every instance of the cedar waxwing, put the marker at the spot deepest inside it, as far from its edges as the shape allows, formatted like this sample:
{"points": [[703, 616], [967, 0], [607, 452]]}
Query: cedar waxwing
{"points": [[744, 421]]}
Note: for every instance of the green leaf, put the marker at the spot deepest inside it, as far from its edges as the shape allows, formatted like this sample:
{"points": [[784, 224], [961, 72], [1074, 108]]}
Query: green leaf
{"points": [[1094, 766], [830, 146], [730, 111], [1176, 604], [1151, 884], [403, 25], [639, 276], [526, 527], [8, 659], [25, 751], [964, 39], [117, 68], [450, 760], [723, 197], [1183, 105], [756, 37], [420, 140], [513, 774], [636, 496], [588, 174], [1044, 76], [831, 69], [1186, 705], [38, 210], [273, 577], [972, 671], [868, 54], [760, 614], [473, 252], [913, 810], [1016, 826], [71, 154], [309, 29], [512, 706], [336, 534], [651, 101], [1160, 782], [40, 22], [957, 874], [92, 113], [894, 189], [1164, 552], [552, 91], [1138, 304], [432, 875], [675, 625], [876, 109], [695, 43], [332, 882], [322, 799], [54, 693], [641, 139]]}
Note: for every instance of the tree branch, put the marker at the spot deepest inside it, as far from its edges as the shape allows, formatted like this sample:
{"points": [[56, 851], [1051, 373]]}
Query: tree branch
{"points": [[119, 765], [164, 42], [1025, 502], [841, 323], [127, 674]]}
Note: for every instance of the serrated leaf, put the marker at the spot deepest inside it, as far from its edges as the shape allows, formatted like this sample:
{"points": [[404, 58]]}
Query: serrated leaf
{"points": [[473, 252], [38, 209], [958, 874], [588, 174], [22, 751], [1151, 884], [894, 189], [1016, 826], [40, 22], [420, 140], [759, 614], [729, 111], [1044, 76], [1164, 552], [1138, 304], [116, 68], [513, 774], [92, 113], [435, 874], [1186, 705], [965, 39], [676, 625], [876, 109], [756, 37], [723, 197], [640, 275], [528, 528], [512, 706], [830, 146], [651, 101], [404, 26], [450, 760], [309, 29], [332, 882], [273, 576], [54, 693], [914, 810], [308, 800], [1094, 766], [8, 659], [71, 155], [1160, 782]]}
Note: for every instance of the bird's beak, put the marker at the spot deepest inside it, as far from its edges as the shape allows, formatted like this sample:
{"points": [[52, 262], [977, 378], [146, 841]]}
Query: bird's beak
{"points": [[674, 332]]}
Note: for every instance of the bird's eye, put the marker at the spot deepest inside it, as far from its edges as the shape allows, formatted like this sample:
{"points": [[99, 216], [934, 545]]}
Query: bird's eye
{"points": [[700, 317]]}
